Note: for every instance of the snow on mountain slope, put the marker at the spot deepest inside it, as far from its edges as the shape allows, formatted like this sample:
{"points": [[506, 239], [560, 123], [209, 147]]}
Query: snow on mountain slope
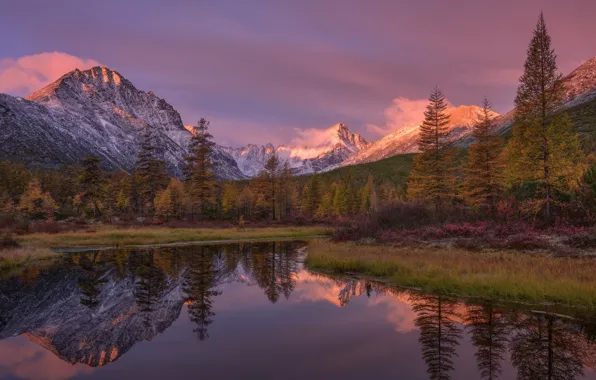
{"points": [[94, 112], [334, 145], [405, 139]]}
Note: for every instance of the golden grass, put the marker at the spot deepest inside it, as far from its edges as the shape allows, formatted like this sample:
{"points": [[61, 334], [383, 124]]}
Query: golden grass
{"points": [[110, 236], [13, 257], [503, 274]]}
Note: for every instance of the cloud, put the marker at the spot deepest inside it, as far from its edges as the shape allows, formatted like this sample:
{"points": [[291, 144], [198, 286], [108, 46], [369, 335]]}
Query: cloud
{"points": [[402, 112], [30, 73]]}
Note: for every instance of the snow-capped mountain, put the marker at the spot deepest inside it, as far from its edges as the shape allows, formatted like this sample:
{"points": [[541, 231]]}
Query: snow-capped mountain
{"points": [[335, 144], [405, 139], [99, 112], [94, 112]]}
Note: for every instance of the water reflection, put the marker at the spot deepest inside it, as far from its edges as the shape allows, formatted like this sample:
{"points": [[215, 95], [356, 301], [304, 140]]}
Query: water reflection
{"points": [[92, 308]]}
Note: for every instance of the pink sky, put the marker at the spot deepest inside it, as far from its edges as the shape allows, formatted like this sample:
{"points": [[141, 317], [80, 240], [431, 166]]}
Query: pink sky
{"points": [[265, 70]]}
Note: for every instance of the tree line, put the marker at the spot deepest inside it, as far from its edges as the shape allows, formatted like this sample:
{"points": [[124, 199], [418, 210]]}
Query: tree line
{"points": [[275, 194]]}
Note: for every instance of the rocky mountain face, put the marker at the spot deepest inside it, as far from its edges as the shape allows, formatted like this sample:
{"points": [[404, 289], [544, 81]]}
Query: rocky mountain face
{"points": [[405, 139], [335, 144], [99, 112], [94, 112]]}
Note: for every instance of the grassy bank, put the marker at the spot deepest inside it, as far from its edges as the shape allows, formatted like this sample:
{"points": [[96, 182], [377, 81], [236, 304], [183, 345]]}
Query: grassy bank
{"points": [[14, 257], [501, 274], [110, 236]]}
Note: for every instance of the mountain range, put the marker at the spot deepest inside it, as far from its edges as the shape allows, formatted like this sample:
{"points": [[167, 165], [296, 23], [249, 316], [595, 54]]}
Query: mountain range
{"points": [[99, 112]]}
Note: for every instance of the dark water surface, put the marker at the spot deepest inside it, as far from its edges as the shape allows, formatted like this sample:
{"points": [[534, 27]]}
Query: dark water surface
{"points": [[251, 311]]}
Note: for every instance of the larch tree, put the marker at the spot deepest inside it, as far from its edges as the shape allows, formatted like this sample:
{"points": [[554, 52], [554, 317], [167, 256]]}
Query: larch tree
{"points": [[483, 181], [311, 196], [545, 148], [172, 202], [287, 190], [199, 169], [431, 179], [151, 171], [35, 202], [91, 181], [271, 182]]}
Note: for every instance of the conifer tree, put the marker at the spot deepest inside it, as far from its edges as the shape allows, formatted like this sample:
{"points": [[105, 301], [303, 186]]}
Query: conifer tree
{"points": [[545, 148], [369, 197], [91, 180], [246, 202], [484, 170], [200, 177], [171, 202], [326, 206], [287, 189], [150, 171], [229, 201], [431, 179], [311, 195], [35, 202], [271, 178]]}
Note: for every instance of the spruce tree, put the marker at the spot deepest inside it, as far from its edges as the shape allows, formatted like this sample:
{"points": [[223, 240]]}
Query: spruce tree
{"points": [[484, 170], [199, 170], [545, 148], [431, 179], [151, 171]]}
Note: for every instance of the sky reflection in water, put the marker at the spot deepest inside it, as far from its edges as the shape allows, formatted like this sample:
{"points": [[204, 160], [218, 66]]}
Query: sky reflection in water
{"points": [[253, 311]]}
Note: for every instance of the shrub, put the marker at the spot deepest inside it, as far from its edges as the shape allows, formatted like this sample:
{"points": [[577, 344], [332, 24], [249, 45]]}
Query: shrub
{"points": [[7, 241], [395, 215], [582, 241]]}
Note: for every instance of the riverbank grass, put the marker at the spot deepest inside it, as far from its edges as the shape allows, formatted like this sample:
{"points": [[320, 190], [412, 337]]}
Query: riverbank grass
{"points": [[506, 275], [110, 236], [14, 257]]}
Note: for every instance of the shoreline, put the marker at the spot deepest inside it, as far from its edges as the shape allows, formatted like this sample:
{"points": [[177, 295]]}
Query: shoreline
{"points": [[504, 275], [43, 246]]}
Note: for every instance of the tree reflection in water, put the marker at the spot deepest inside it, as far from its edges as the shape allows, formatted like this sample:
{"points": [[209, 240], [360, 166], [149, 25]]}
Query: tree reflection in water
{"points": [[117, 298]]}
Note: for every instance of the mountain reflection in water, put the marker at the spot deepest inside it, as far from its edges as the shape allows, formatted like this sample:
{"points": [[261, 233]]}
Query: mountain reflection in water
{"points": [[251, 310]]}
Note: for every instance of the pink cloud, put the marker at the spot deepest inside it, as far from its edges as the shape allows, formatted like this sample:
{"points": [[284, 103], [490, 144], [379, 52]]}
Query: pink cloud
{"points": [[402, 112], [26, 74]]}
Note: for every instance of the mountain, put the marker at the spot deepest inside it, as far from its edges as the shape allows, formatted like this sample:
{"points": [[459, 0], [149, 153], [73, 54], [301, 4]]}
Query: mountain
{"points": [[580, 92], [334, 145], [94, 112], [405, 139]]}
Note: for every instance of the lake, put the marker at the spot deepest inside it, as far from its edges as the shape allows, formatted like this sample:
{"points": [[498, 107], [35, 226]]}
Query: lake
{"points": [[252, 311]]}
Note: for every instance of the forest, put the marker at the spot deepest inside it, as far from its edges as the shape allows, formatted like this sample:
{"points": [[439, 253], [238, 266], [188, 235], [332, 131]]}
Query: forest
{"points": [[541, 174]]}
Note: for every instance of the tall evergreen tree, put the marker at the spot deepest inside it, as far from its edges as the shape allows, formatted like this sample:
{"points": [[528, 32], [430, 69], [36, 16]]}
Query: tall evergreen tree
{"points": [[439, 333], [484, 170], [490, 336], [199, 170], [543, 347], [151, 171], [545, 148], [271, 174], [287, 189], [91, 180], [432, 179], [311, 196]]}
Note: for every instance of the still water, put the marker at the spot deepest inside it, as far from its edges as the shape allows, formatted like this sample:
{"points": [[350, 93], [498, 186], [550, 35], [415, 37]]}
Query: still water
{"points": [[252, 311]]}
